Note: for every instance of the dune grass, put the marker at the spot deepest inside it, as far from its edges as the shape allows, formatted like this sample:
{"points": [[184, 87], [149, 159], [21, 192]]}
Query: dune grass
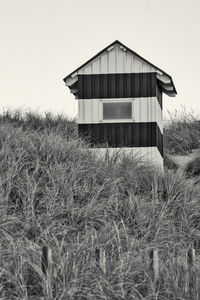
{"points": [[182, 132], [55, 192], [34, 121]]}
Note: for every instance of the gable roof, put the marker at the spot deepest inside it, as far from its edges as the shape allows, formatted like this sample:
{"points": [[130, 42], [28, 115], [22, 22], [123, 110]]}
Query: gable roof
{"points": [[163, 84]]}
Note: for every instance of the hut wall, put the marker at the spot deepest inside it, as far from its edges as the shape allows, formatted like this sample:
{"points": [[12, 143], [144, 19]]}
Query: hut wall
{"points": [[149, 155], [90, 111], [116, 60], [119, 76]]}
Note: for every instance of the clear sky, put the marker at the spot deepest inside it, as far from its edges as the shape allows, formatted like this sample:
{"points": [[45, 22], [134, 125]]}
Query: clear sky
{"points": [[42, 41]]}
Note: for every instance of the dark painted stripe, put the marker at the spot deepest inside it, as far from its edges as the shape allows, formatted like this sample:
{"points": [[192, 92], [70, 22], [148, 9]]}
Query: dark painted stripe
{"points": [[122, 135], [123, 85], [159, 138]]}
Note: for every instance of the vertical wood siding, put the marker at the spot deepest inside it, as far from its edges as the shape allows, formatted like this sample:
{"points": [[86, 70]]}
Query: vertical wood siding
{"points": [[123, 85], [116, 60], [144, 110], [122, 135], [119, 75]]}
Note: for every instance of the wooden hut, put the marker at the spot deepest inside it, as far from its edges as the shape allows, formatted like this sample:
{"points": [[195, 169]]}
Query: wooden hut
{"points": [[119, 96]]}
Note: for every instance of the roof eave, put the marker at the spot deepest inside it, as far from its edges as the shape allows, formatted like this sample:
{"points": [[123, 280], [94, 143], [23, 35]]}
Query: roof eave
{"points": [[91, 59], [134, 53]]}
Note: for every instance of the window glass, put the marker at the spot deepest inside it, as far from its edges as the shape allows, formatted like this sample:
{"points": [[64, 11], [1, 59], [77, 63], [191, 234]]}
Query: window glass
{"points": [[117, 110]]}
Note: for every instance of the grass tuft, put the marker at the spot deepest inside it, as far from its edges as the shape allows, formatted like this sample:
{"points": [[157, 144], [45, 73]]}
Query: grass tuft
{"points": [[193, 167], [182, 132]]}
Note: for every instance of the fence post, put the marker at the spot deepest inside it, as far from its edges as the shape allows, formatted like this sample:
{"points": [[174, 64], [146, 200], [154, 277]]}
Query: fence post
{"points": [[154, 263], [101, 259], [191, 274], [191, 256], [47, 269], [44, 262]]}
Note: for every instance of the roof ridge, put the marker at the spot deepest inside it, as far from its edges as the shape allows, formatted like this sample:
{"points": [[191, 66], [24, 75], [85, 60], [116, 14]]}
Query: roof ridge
{"points": [[128, 49]]}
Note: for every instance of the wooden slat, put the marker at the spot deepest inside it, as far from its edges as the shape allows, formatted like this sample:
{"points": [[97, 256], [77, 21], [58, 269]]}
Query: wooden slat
{"points": [[117, 85], [123, 134]]}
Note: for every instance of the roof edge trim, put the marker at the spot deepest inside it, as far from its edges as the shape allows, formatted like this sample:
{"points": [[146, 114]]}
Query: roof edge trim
{"points": [[124, 46]]}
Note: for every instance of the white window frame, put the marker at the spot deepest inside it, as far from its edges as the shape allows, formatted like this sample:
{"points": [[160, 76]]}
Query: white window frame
{"points": [[115, 101]]}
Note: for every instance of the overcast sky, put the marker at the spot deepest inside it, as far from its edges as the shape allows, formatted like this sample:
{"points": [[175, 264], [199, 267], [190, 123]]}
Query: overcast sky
{"points": [[42, 41]]}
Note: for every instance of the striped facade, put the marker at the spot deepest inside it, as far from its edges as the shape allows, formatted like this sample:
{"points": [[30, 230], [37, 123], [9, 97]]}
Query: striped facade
{"points": [[120, 102]]}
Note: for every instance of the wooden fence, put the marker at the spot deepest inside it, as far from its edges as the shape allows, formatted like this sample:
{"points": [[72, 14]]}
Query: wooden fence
{"points": [[100, 261]]}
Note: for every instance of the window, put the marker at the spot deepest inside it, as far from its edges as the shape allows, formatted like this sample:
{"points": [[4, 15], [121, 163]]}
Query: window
{"points": [[117, 110]]}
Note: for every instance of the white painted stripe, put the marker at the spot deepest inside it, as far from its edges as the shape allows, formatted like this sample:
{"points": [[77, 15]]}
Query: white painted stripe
{"points": [[144, 110], [144, 154], [116, 61]]}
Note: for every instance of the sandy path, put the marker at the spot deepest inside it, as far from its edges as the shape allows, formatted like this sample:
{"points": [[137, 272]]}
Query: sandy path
{"points": [[182, 160]]}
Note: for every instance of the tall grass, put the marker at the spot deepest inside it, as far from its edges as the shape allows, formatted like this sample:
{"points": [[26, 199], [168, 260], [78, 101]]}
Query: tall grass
{"points": [[55, 192], [28, 120], [182, 132]]}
